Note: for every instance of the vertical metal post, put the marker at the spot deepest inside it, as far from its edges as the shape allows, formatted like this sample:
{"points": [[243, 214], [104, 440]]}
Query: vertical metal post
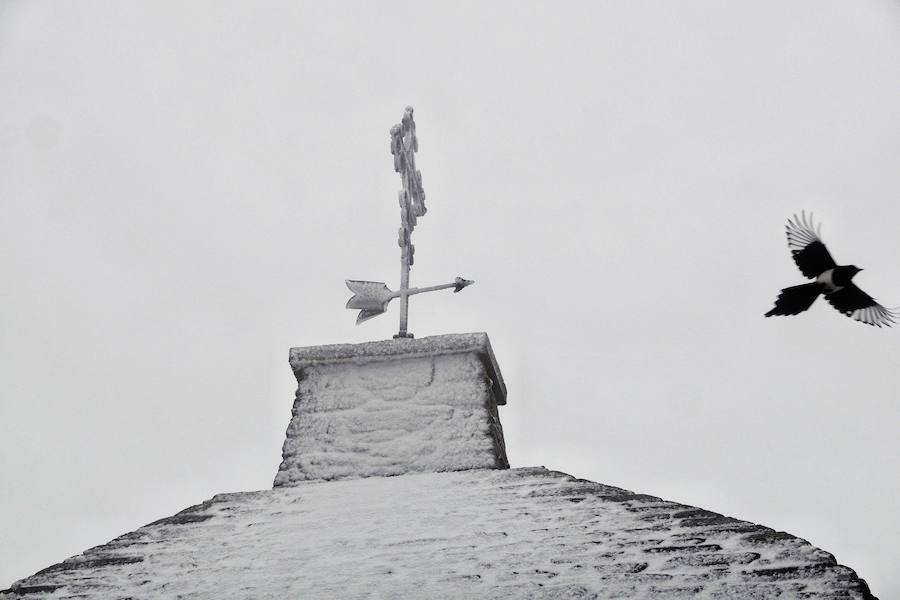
{"points": [[412, 204], [404, 297]]}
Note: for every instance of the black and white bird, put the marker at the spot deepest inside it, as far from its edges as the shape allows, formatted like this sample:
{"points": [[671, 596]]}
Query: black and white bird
{"points": [[831, 280]]}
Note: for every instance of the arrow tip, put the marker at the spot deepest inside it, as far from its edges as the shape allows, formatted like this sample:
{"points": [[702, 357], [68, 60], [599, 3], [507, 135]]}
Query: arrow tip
{"points": [[461, 283]]}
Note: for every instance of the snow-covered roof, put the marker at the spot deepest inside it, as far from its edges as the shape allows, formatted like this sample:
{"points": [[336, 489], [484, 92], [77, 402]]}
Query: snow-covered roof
{"points": [[393, 485], [518, 533]]}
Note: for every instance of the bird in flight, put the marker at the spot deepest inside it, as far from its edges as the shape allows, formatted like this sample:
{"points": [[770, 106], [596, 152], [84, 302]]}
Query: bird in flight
{"points": [[831, 280]]}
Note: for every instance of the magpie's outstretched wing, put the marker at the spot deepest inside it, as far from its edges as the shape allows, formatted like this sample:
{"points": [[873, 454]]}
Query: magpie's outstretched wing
{"points": [[860, 306], [807, 248]]}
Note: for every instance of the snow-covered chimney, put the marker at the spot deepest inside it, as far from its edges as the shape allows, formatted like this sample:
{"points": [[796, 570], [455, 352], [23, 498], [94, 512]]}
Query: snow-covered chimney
{"points": [[394, 407]]}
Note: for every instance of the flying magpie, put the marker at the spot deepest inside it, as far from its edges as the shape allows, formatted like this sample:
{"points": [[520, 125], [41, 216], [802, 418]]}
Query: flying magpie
{"points": [[815, 262]]}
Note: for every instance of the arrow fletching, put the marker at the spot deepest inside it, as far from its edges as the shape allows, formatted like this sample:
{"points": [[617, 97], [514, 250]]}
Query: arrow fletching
{"points": [[369, 297], [365, 315]]}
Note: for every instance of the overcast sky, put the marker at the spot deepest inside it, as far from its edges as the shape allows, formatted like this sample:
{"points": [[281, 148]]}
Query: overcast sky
{"points": [[184, 188]]}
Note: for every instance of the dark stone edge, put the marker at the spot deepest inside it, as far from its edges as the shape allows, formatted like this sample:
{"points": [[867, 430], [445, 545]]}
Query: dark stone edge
{"points": [[693, 517]]}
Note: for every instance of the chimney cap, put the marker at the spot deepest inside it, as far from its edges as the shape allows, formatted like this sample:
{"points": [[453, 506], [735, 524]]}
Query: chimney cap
{"points": [[452, 343]]}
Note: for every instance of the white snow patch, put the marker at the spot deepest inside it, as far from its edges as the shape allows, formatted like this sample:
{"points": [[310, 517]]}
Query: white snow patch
{"points": [[516, 533]]}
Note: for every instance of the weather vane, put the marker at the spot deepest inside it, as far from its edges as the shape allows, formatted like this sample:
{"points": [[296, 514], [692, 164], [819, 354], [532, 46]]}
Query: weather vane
{"points": [[372, 297]]}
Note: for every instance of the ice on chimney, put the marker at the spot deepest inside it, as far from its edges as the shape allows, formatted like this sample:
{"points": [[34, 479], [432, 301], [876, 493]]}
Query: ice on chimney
{"points": [[394, 407]]}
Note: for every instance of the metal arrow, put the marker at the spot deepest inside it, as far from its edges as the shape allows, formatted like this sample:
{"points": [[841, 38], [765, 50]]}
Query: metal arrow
{"points": [[371, 298]]}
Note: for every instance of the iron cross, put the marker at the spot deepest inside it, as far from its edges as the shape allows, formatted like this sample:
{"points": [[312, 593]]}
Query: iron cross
{"points": [[371, 298]]}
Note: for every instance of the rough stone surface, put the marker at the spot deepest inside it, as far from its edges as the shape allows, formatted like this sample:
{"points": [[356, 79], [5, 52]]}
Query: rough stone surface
{"points": [[519, 533], [394, 407]]}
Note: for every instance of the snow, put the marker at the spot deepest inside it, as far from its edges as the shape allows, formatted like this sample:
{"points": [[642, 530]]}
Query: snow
{"points": [[394, 407], [519, 533], [393, 485], [477, 342]]}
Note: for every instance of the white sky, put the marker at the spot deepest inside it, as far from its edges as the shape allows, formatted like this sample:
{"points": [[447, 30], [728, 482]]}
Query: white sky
{"points": [[184, 188]]}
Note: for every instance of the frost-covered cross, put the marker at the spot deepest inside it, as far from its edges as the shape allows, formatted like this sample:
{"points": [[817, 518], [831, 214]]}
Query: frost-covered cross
{"points": [[372, 297]]}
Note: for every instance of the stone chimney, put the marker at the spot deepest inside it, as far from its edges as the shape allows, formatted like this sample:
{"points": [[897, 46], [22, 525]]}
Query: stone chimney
{"points": [[394, 407]]}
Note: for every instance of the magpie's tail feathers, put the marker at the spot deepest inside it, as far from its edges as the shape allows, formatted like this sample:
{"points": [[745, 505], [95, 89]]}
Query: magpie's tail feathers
{"points": [[795, 299]]}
